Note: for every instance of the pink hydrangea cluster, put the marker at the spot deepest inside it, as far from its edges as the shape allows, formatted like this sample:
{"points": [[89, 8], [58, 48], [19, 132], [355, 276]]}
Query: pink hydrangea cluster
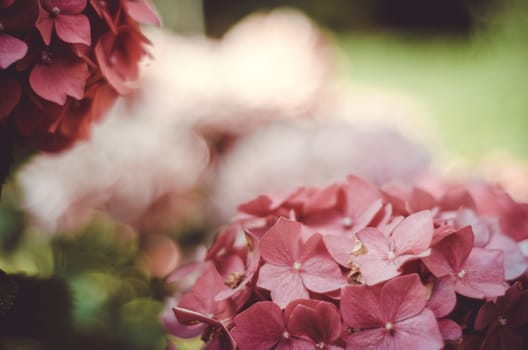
{"points": [[355, 266], [62, 64]]}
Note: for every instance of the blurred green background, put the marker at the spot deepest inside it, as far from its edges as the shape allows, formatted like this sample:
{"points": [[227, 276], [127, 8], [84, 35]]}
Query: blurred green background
{"points": [[465, 62]]}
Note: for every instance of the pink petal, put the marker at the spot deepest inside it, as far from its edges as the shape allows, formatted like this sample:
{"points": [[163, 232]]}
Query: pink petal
{"points": [[68, 6], [143, 12], [449, 254], [371, 339], [259, 327], [73, 29], [281, 244], [483, 275], [515, 263], [64, 77], [284, 283], [375, 267], [449, 329], [360, 306], [10, 93], [45, 26], [319, 272], [324, 199], [11, 50], [443, 297], [322, 324], [413, 235], [340, 248], [361, 195], [403, 297], [418, 332]]}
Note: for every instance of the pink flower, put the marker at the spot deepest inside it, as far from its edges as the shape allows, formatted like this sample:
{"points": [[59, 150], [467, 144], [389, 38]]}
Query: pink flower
{"points": [[477, 272], [263, 326], [67, 18], [292, 267], [505, 319], [390, 316], [385, 256], [441, 303]]}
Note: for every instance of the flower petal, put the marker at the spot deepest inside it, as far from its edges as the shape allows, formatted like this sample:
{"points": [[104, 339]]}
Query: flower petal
{"points": [[418, 332], [449, 329], [284, 283], [483, 274], [73, 29], [403, 297], [259, 327], [360, 306], [11, 50], [143, 12], [443, 297], [68, 6], [281, 245], [65, 76], [414, 234], [371, 339]]}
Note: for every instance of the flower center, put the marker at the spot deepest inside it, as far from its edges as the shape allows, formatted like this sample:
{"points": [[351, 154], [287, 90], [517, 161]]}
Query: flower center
{"points": [[391, 255], [286, 335], [389, 326], [46, 56], [1, 27], [502, 320], [461, 274], [102, 3], [55, 11], [234, 279], [320, 345], [347, 222], [296, 266]]}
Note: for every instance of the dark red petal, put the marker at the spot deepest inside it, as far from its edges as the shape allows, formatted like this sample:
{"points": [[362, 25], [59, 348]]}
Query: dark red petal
{"points": [[259, 327], [143, 12], [73, 29], [10, 92], [65, 76], [6, 3], [11, 50]]}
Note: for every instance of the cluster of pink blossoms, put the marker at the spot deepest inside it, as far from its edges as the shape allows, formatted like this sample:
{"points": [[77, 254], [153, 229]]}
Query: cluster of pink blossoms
{"points": [[353, 266], [62, 64]]}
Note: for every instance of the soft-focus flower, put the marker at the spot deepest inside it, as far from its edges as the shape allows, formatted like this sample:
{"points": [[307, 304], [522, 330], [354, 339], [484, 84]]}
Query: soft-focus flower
{"points": [[390, 316], [294, 267]]}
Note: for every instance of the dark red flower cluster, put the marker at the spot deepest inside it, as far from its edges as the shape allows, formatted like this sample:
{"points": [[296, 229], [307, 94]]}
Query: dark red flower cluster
{"points": [[62, 64], [353, 266]]}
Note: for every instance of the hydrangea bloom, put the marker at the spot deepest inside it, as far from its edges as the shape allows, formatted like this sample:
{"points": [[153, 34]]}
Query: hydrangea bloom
{"points": [[65, 62], [419, 273]]}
